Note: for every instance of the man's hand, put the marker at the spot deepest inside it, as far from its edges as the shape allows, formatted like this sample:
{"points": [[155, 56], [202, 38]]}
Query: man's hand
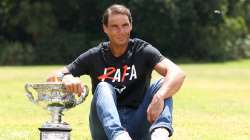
{"points": [[54, 77], [73, 84], [155, 108]]}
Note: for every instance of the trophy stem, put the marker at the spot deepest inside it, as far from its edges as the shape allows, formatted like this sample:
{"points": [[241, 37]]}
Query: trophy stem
{"points": [[56, 116], [56, 129]]}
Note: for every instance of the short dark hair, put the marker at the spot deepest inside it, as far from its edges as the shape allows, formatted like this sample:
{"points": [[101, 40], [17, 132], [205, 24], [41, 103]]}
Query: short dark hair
{"points": [[116, 9]]}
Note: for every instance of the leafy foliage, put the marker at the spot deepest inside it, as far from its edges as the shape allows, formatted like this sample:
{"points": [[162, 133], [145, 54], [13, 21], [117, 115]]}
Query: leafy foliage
{"points": [[57, 31]]}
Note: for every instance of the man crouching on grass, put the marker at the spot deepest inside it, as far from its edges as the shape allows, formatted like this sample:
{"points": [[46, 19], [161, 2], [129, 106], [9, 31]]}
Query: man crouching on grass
{"points": [[125, 106]]}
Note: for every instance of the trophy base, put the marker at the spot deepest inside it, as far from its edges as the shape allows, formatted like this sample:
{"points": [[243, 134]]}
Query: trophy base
{"points": [[52, 131]]}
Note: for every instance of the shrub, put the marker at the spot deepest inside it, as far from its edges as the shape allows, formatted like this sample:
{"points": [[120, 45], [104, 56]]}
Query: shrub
{"points": [[60, 48], [16, 53]]}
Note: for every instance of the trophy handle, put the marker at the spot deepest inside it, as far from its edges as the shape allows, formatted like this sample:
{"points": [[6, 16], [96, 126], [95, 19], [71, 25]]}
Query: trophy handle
{"points": [[29, 93], [83, 96]]}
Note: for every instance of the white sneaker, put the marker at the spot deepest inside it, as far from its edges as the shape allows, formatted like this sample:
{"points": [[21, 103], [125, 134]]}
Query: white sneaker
{"points": [[123, 136], [160, 134]]}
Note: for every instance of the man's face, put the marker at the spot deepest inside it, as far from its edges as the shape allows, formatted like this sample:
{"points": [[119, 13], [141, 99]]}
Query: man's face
{"points": [[118, 29]]}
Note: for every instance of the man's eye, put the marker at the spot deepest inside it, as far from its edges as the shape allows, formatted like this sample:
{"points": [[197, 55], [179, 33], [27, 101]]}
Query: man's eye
{"points": [[114, 27], [125, 25]]}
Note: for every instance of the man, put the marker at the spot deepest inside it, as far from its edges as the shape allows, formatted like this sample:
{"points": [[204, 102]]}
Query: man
{"points": [[125, 106]]}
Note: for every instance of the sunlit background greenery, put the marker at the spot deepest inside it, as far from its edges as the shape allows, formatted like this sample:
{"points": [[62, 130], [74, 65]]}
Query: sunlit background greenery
{"points": [[213, 104], [209, 39], [53, 32]]}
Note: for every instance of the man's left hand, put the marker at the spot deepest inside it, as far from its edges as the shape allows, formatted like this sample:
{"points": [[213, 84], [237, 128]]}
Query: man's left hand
{"points": [[155, 108]]}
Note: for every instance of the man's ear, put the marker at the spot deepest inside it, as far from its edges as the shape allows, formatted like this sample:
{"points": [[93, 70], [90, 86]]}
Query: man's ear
{"points": [[104, 28]]}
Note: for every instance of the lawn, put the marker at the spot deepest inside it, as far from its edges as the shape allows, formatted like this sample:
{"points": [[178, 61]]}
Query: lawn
{"points": [[213, 104]]}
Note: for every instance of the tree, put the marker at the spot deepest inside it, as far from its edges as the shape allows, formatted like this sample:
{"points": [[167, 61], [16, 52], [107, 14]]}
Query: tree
{"points": [[214, 30]]}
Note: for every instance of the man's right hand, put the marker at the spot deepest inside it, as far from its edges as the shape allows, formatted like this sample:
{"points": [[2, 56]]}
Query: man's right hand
{"points": [[73, 84]]}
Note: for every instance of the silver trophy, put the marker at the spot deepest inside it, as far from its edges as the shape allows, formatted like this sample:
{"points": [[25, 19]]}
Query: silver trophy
{"points": [[54, 97]]}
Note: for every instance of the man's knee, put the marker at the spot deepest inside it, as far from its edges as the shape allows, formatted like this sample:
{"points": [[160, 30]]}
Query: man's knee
{"points": [[103, 85], [104, 91], [104, 88]]}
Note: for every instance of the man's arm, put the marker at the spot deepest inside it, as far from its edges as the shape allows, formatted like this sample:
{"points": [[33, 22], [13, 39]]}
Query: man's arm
{"points": [[71, 83], [173, 79]]}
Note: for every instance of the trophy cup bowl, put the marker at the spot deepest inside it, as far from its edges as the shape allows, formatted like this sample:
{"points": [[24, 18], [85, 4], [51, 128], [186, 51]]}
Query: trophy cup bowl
{"points": [[54, 97]]}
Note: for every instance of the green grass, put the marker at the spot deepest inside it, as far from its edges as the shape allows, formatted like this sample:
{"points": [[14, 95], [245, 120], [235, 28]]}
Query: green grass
{"points": [[213, 104]]}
